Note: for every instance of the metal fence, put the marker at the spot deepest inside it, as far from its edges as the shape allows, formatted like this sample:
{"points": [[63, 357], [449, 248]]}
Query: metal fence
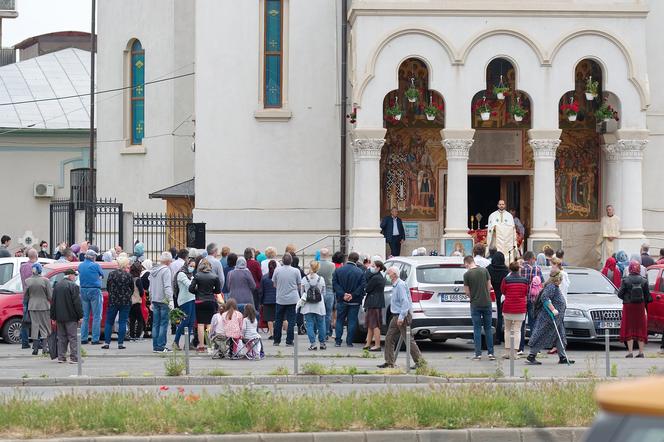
{"points": [[62, 222], [106, 218], [160, 231]]}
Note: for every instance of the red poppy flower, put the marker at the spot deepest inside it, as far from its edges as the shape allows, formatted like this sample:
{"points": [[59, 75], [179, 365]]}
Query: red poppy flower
{"points": [[163, 388]]}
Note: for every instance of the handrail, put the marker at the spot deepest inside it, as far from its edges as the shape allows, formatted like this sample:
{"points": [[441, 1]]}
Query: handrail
{"points": [[298, 251]]}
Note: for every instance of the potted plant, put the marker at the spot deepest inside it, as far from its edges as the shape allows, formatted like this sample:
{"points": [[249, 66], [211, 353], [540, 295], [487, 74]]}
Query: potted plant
{"points": [[592, 89], [352, 117], [605, 113], [518, 111], [570, 110], [176, 316], [412, 94], [394, 112], [500, 90], [483, 109]]}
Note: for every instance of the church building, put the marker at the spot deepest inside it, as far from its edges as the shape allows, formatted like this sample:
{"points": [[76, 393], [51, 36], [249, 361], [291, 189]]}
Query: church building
{"points": [[299, 120]]}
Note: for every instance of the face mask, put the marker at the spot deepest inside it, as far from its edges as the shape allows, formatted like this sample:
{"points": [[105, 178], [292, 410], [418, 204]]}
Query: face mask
{"points": [[191, 269], [373, 269], [44, 249]]}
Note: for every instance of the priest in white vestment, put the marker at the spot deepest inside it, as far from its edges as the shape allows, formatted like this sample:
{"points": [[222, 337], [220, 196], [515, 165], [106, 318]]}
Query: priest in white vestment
{"points": [[501, 232], [609, 231]]}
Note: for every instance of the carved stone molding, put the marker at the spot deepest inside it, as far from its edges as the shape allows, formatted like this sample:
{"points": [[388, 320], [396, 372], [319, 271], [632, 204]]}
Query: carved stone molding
{"points": [[631, 149], [611, 151], [457, 148], [544, 149], [367, 148]]}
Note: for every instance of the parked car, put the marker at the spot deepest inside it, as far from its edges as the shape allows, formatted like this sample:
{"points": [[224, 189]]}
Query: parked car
{"points": [[656, 308], [10, 267], [11, 298], [441, 309]]}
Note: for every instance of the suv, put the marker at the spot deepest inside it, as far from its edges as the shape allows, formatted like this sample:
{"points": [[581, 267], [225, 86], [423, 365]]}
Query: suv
{"points": [[441, 309], [11, 298]]}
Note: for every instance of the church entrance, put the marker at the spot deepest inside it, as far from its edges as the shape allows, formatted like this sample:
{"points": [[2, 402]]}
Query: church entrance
{"points": [[483, 196]]}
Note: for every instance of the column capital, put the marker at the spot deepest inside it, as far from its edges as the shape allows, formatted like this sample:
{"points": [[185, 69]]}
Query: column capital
{"points": [[611, 151], [458, 148], [367, 148], [631, 149], [544, 148]]}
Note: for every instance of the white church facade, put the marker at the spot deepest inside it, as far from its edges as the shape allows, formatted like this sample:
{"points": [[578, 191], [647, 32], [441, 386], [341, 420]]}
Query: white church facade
{"points": [[556, 106]]}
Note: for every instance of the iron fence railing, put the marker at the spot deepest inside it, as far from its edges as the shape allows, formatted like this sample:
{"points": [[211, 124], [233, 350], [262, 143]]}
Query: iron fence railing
{"points": [[160, 231]]}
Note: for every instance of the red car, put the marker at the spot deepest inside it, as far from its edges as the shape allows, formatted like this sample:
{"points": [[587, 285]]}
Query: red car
{"points": [[11, 298], [656, 308]]}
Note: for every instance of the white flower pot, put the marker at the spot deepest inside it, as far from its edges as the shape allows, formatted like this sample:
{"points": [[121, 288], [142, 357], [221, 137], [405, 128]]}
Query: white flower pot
{"points": [[571, 117], [412, 100], [607, 119], [397, 117], [590, 97], [431, 117], [485, 116], [518, 118], [500, 95]]}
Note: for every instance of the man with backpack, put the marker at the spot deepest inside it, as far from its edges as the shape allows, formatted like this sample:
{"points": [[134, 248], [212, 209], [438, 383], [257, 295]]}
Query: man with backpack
{"points": [[533, 273]]}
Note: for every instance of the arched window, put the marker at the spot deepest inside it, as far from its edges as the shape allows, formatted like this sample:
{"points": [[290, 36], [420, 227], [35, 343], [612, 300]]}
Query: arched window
{"points": [[273, 61], [137, 93]]}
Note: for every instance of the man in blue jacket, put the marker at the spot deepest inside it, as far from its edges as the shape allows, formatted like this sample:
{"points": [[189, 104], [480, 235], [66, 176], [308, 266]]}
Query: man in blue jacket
{"points": [[392, 229], [90, 276], [348, 283]]}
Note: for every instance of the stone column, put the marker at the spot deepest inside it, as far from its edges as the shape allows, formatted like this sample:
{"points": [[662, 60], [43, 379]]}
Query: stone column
{"points": [[365, 234], [612, 178], [544, 144], [457, 144], [629, 150]]}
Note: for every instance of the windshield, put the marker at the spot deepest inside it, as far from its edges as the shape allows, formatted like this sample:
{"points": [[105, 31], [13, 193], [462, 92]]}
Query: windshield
{"points": [[587, 281], [440, 274]]}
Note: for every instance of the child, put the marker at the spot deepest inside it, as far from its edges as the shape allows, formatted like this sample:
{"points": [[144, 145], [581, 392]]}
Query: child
{"points": [[217, 334], [249, 324], [231, 320]]}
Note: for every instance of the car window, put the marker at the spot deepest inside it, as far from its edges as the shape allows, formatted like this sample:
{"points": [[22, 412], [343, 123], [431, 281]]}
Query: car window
{"points": [[652, 278], [14, 285], [6, 271], [588, 281], [405, 272], [59, 276], [440, 274]]}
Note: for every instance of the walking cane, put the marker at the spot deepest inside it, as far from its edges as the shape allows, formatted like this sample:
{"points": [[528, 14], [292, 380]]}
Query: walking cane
{"points": [[562, 345]]}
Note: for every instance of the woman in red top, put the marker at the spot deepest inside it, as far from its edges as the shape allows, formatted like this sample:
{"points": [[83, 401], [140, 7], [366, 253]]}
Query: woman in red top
{"points": [[515, 290], [612, 272]]}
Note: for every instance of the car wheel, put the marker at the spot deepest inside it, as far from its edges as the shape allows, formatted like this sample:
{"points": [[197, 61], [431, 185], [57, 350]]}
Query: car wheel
{"points": [[438, 340], [11, 332]]}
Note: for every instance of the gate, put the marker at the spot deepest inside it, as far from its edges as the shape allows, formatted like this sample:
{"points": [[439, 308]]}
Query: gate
{"points": [[105, 217], [160, 232], [61, 222]]}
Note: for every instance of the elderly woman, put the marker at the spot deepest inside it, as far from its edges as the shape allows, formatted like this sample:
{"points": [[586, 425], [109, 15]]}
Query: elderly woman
{"points": [[204, 285], [635, 294], [374, 302], [622, 262], [38, 295], [270, 254], [553, 309], [120, 287], [241, 284], [610, 270]]}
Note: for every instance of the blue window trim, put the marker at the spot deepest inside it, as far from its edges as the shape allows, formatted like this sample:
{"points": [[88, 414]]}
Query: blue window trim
{"points": [[272, 81], [137, 93]]}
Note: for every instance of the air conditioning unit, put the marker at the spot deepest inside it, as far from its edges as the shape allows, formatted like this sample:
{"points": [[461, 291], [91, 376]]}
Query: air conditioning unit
{"points": [[43, 190]]}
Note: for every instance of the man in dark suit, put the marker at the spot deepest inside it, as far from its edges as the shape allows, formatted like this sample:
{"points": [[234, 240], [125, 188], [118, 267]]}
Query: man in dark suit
{"points": [[392, 229]]}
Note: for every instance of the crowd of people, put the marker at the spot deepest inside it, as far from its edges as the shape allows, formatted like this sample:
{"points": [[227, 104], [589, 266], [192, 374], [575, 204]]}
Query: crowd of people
{"points": [[225, 299]]}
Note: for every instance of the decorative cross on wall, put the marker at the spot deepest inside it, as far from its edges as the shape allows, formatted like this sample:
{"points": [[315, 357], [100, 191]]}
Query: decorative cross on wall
{"points": [[139, 89], [139, 64], [139, 128]]}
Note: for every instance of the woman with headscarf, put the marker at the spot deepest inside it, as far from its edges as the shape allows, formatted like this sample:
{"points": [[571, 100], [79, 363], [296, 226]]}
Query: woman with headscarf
{"points": [[553, 309], [241, 284], [611, 271], [498, 271], [38, 297], [136, 319], [622, 263], [635, 257], [635, 294]]}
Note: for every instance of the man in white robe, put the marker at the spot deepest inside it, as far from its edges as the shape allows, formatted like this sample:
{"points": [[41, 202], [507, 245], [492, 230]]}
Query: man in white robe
{"points": [[501, 232], [609, 231]]}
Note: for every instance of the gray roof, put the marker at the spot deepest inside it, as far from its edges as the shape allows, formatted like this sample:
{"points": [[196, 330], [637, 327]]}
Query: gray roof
{"points": [[58, 74], [181, 190]]}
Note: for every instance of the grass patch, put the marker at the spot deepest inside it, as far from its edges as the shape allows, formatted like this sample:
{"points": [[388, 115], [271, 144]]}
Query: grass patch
{"points": [[217, 372], [247, 411], [279, 371], [122, 374], [174, 365], [315, 368]]}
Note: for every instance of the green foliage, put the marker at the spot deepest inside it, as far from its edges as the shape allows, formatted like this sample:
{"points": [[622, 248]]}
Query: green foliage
{"points": [[218, 372], [279, 371], [412, 93], [393, 111], [592, 86], [614, 370], [174, 364]]}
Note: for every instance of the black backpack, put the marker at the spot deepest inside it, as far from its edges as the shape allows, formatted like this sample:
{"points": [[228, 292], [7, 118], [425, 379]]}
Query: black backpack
{"points": [[313, 292], [636, 294]]}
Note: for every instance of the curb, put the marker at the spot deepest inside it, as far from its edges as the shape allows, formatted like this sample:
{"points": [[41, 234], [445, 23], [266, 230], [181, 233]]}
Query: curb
{"points": [[272, 380], [470, 435]]}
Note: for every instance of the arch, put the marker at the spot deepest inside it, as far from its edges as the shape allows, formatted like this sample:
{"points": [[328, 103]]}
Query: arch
{"points": [[468, 47], [627, 54]]}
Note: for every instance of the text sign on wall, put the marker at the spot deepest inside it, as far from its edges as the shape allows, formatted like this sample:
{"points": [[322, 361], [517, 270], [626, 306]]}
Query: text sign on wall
{"points": [[412, 230], [497, 148]]}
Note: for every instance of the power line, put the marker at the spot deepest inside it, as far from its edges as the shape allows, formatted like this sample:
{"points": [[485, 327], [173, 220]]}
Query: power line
{"points": [[99, 92]]}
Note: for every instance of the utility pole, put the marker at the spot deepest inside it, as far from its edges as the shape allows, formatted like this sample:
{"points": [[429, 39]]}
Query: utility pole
{"points": [[92, 181]]}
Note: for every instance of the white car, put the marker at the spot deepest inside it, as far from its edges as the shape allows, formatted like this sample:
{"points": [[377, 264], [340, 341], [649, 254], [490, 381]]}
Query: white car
{"points": [[10, 267]]}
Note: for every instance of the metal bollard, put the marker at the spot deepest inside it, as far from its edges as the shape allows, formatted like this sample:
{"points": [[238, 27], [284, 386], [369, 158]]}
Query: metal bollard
{"points": [[186, 350], [607, 349], [408, 349], [512, 353], [295, 352], [79, 361]]}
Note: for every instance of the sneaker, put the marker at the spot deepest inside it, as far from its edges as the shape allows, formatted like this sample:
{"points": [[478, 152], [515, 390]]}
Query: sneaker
{"points": [[629, 355], [337, 344], [74, 362], [289, 344], [385, 365], [476, 358], [349, 345], [121, 347], [564, 360], [104, 347], [60, 361], [506, 356], [530, 360], [312, 347], [276, 344], [157, 351], [24, 346], [640, 355], [270, 338], [166, 350], [520, 353], [492, 358], [322, 346]]}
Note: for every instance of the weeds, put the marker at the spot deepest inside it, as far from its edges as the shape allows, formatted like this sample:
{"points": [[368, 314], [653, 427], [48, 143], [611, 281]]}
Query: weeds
{"points": [[279, 371], [217, 372], [526, 374], [174, 364], [315, 368], [652, 371], [614, 370]]}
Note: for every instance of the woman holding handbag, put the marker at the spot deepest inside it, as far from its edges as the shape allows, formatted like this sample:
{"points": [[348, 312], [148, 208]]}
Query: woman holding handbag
{"points": [[374, 303]]}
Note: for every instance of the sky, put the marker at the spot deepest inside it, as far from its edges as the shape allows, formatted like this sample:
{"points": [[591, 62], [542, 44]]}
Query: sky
{"points": [[37, 17]]}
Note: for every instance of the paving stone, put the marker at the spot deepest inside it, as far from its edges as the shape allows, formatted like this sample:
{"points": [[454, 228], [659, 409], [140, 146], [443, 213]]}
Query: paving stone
{"points": [[287, 437], [336, 379], [443, 436], [579, 434], [39, 382], [399, 379], [494, 435], [368, 379], [138, 381], [106, 381], [355, 436], [391, 436], [234, 438], [303, 379], [267, 380], [546, 434], [177, 438]]}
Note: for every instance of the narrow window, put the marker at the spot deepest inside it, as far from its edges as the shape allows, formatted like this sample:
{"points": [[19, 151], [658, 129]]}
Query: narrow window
{"points": [[273, 53], [137, 93]]}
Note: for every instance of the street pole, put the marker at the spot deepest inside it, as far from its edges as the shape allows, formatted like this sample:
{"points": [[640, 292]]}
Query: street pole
{"points": [[408, 349], [79, 360], [295, 352], [92, 182], [186, 350], [607, 349], [512, 355]]}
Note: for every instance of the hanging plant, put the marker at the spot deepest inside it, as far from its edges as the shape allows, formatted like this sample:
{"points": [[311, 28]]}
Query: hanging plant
{"points": [[606, 113], [592, 89], [518, 111], [412, 94], [482, 108], [571, 110], [352, 117], [500, 90], [394, 112], [432, 110]]}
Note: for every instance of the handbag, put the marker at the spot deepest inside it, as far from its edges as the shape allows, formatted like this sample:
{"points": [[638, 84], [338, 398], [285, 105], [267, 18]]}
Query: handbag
{"points": [[52, 342]]}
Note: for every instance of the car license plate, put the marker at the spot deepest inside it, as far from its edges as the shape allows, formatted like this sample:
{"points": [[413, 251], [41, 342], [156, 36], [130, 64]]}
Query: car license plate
{"points": [[453, 297], [609, 324]]}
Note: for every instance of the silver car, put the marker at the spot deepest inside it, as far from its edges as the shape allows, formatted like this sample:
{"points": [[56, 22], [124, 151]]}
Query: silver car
{"points": [[441, 310]]}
